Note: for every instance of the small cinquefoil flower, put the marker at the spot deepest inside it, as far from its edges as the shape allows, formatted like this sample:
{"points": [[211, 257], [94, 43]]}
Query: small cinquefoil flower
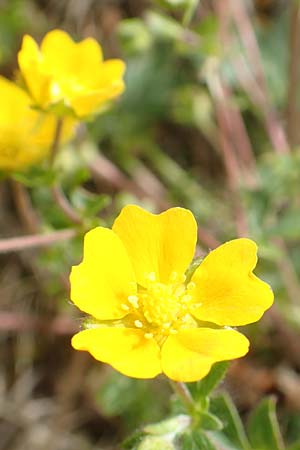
{"points": [[148, 318], [25, 134], [69, 76]]}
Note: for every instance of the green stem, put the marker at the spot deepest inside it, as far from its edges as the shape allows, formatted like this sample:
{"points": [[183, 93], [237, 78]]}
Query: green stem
{"points": [[57, 193], [183, 393], [56, 140]]}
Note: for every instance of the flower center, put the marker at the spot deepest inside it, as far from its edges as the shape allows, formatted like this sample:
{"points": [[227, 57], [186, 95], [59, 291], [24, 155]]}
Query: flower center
{"points": [[162, 309]]}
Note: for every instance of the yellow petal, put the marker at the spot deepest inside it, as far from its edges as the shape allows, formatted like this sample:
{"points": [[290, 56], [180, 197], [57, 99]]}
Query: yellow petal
{"points": [[25, 134], [105, 278], [65, 58], [38, 83], [110, 72], [161, 244], [92, 102], [103, 84], [125, 349], [189, 355], [227, 290]]}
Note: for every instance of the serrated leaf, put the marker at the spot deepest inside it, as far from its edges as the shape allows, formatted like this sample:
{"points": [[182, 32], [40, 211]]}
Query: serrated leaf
{"points": [[263, 427], [233, 429], [211, 381]]}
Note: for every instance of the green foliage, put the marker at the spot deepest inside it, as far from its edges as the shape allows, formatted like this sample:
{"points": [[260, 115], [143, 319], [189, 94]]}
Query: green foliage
{"points": [[263, 427], [135, 401]]}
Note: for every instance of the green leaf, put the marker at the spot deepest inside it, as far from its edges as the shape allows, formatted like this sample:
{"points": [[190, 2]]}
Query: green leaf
{"points": [[224, 408], [175, 424], [190, 11], [202, 441], [132, 441], [195, 440], [208, 421], [163, 26], [155, 443], [263, 427], [295, 446], [210, 382], [186, 442]]}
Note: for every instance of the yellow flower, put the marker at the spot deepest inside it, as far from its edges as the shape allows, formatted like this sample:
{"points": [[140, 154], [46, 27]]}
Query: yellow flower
{"points": [[25, 134], [148, 318], [63, 72]]}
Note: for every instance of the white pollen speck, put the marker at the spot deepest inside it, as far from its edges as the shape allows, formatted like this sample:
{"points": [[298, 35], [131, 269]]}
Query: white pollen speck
{"points": [[191, 285], [138, 324], [133, 300], [148, 335], [125, 307], [172, 331], [151, 276]]}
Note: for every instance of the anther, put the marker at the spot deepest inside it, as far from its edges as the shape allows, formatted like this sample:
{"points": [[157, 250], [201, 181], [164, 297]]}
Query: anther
{"points": [[148, 335], [138, 324], [151, 276], [133, 300], [186, 298]]}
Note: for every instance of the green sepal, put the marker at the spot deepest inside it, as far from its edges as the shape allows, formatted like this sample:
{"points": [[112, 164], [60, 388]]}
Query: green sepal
{"points": [[205, 386], [193, 266]]}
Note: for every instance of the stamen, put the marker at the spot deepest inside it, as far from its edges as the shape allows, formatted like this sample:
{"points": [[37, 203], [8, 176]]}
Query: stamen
{"points": [[151, 276], [148, 335], [177, 278], [186, 298], [133, 300], [138, 324]]}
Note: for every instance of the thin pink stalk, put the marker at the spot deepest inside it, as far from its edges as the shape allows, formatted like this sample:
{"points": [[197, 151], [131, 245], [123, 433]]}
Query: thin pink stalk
{"points": [[39, 240], [19, 322], [248, 38]]}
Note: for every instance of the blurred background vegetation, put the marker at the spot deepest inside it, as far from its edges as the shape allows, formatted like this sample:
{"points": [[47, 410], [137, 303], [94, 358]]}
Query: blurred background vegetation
{"points": [[210, 121]]}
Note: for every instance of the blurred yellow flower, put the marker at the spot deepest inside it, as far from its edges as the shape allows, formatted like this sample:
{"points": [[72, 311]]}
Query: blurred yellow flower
{"points": [[25, 134], [68, 75], [148, 318]]}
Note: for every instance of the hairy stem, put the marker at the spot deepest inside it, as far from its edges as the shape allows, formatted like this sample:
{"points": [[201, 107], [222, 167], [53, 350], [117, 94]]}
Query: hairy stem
{"points": [[183, 393]]}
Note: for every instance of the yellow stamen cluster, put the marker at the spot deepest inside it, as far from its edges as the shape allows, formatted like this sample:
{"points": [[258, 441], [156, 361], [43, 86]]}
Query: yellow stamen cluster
{"points": [[162, 309]]}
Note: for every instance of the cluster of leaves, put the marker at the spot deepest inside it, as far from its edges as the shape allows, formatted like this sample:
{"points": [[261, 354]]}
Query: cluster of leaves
{"points": [[214, 424]]}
